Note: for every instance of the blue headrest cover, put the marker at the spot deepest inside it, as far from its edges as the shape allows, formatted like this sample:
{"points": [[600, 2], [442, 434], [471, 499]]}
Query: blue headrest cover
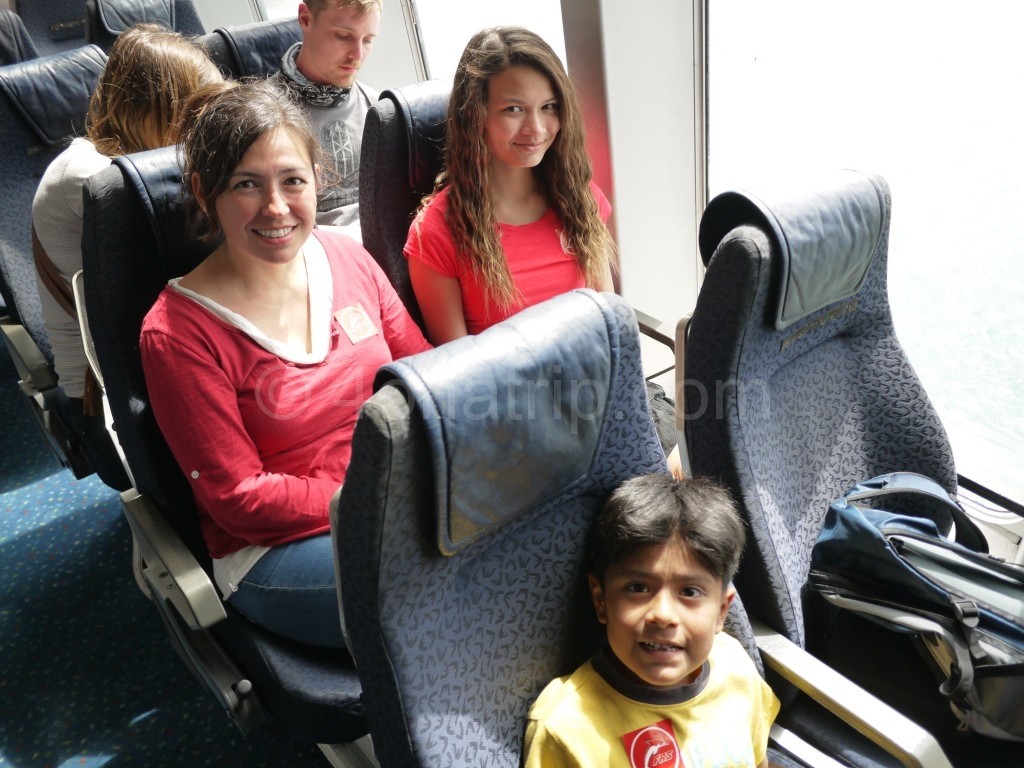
{"points": [[825, 235], [15, 41], [257, 47], [155, 177], [512, 415], [52, 92], [423, 108], [117, 15]]}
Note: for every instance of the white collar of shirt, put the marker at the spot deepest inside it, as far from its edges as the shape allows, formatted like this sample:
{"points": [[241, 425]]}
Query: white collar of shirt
{"points": [[321, 302]]}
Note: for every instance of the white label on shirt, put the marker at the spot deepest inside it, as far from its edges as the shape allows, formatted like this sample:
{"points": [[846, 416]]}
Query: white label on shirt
{"points": [[356, 323]]}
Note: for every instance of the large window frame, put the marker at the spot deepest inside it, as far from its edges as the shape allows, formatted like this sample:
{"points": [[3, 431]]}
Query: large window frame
{"points": [[916, 72]]}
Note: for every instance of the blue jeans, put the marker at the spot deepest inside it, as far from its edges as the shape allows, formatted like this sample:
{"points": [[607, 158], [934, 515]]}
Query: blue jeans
{"points": [[291, 591]]}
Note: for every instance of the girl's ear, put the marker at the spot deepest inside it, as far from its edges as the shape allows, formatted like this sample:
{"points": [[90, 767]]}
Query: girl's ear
{"points": [[727, 597], [597, 595]]}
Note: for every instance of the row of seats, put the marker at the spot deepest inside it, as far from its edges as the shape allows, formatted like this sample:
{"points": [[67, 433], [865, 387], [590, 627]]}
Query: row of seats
{"points": [[43, 27], [245, 49], [455, 637], [44, 102]]}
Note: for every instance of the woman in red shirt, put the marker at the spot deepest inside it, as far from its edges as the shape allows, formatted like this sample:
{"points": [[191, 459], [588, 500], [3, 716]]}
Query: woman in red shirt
{"points": [[258, 360], [514, 218]]}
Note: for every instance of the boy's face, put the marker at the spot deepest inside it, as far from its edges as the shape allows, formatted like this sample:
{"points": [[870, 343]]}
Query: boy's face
{"points": [[663, 609]]}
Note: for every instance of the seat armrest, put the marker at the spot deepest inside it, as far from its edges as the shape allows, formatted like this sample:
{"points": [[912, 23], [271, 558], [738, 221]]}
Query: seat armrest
{"points": [[170, 569], [35, 371], [78, 286], [911, 744], [654, 328]]}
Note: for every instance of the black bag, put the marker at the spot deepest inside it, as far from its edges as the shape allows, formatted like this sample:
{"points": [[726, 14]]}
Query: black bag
{"points": [[964, 607]]}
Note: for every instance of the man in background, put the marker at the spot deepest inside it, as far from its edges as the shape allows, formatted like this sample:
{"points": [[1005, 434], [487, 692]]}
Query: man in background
{"points": [[337, 38]]}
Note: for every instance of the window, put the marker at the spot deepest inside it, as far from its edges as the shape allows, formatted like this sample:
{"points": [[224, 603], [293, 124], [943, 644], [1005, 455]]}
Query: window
{"points": [[447, 25], [921, 93]]}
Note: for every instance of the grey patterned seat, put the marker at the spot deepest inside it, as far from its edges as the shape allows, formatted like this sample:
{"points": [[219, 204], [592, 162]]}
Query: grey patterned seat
{"points": [[135, 238], [42, 107], [251, 50], [477, 469], [797, 387]]}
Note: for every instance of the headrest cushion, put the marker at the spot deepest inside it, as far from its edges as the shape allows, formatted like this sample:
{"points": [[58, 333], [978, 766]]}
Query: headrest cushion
{"points": [[513, 414], [257, 48], [52, 92], [423, 108], [825, 233], [115, 16], [155, 176]]}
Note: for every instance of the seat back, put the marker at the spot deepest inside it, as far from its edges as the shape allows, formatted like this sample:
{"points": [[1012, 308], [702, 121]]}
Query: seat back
{"points": [[106, 19], [15, 42], [797, 386], [55, 25], [251, 50], [135, 237], [462, 527], [402, 153], [43, 105]]}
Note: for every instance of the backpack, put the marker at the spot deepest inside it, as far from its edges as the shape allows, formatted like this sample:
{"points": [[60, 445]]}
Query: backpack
{"points": [[964, 608]]}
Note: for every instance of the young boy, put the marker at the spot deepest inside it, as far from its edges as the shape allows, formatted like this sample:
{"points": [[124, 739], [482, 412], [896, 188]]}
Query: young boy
{"points": [[669, 689]]}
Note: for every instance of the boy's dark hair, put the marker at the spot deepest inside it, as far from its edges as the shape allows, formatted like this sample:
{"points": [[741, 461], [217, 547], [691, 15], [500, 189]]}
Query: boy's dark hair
{"points": [[654, 509]]}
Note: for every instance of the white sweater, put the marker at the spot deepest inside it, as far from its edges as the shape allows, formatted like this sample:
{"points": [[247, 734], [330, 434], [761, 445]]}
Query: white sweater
{"points": [[57, 216]]}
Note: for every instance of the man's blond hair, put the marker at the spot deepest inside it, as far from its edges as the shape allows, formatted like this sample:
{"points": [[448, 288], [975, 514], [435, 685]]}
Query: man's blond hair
{"points": [[365, 6]]}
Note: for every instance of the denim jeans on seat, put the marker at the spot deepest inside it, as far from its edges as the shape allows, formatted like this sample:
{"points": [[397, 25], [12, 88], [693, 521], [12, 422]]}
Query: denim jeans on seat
{"points": [[291, 591]]}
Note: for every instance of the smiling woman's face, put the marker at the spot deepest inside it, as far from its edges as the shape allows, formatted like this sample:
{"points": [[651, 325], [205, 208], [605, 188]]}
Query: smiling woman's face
{"points": [[268, 208]]}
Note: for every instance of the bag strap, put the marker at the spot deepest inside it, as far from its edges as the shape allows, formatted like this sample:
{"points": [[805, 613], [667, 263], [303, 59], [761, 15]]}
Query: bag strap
{"points": [[51, 278], [967, 531]]}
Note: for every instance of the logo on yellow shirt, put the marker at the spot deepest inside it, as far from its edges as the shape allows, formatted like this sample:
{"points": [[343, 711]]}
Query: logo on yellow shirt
{"points": [[653, 746]]}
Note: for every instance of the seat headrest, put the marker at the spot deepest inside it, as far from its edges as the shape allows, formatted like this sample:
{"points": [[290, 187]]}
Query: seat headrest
{"points": [[115, 16], [15, 42], [423, 108], [155, 177], [257, 48], [52, 92], [513, 414], [825, 233]]}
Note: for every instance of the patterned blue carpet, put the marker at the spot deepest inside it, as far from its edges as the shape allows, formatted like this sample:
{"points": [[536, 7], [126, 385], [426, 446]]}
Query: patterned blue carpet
{"points": [[88, 677]]}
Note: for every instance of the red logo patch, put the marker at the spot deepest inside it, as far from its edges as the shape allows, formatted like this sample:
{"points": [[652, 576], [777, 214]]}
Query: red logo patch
{"points": [[653, 746]]}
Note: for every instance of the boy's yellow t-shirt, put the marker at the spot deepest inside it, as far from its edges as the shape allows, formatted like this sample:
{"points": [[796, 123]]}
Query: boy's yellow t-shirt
{"points": [[719, 721]]}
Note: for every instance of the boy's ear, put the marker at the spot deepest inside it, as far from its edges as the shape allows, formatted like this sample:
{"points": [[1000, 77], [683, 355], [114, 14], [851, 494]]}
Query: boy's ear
{"points": [[597, 596], [727, 597]]}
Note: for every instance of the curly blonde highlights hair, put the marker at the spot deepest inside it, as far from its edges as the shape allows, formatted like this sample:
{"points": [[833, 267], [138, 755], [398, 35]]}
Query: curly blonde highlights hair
{"points": [[138, 103], [566, 170]]}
